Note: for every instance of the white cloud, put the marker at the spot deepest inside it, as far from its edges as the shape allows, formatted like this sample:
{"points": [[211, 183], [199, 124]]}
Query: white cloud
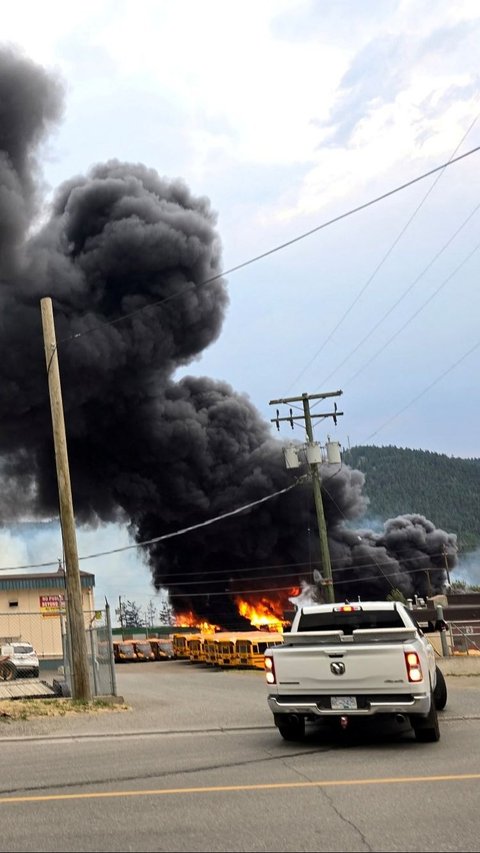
{"points": [[13, 551], [124, 573], [278, 110], [249, 94]]}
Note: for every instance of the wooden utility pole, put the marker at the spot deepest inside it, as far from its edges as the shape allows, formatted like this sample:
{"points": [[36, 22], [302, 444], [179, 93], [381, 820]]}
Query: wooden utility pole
{"points": [[317, 492], [74, 608]]}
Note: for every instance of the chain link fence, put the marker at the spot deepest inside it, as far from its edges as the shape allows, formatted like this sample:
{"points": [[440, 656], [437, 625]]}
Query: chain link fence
{"points": [[47, 632], [464, 638], [41, 630], [101, 664]]}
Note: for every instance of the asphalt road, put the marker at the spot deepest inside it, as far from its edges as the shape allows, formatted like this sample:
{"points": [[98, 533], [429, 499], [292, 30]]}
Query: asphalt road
{"points": [[197, 765]]}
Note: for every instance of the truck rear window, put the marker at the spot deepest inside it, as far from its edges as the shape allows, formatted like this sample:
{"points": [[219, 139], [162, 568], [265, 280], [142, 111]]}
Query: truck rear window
{"points": [[348, 622]]}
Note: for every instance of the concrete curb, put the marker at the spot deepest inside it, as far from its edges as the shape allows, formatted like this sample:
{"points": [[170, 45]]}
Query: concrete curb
{"points": [[136, 734], [459, 665], [214, 730]]}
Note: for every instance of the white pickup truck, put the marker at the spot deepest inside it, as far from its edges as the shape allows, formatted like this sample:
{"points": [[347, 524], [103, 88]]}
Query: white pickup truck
{"points": [[341, 661]]}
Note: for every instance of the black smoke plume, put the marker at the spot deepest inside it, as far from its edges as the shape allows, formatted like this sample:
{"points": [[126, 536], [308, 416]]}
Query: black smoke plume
{"points": [[132, 262]]}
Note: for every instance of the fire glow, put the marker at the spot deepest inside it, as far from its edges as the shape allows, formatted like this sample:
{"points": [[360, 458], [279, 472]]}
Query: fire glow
{"points": [[265, 612], [190, 620]]}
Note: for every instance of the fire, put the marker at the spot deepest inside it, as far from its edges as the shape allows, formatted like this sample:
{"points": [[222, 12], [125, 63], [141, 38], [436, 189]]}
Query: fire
{"points": [[208, 627], [190, 620], [265, 612]]}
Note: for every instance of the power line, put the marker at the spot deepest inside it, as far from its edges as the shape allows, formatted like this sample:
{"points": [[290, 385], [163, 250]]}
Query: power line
{"points": [[275, 249], [284, 575], [175, 532], [383, 260], [415, 313], [402, 297], [356, 580], [201, 524], [296, 567], [425, 390]]}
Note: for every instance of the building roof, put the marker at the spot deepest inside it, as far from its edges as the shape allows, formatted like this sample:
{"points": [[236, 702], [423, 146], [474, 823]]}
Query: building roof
{"points": [[43, 580]]}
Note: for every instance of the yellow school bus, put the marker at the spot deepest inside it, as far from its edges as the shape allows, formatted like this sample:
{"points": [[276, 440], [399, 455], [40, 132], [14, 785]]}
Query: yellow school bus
{"points": [[195, 646], [226, 652], [210, 650], [123, 652], [180, 645], [162, 647], [143, 650], [251, 647]]}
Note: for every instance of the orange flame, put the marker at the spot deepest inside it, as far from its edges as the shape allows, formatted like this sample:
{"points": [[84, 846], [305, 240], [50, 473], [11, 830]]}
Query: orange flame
{"points": [[265, 612], [190, 620]]}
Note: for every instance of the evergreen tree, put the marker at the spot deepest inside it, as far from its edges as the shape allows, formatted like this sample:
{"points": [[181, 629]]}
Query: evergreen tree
{"points": [[166, 613], [151, 614], [444, 489], [131, 615]]}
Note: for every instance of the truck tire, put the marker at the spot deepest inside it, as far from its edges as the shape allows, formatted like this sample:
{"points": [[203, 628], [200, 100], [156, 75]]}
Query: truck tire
{"points": [[7, 671], [290, 727], [426, 728], [440, 692]]}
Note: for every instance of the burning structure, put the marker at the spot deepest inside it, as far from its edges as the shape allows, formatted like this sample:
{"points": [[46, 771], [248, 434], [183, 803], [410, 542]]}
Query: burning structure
{"points": [[132, 262]]}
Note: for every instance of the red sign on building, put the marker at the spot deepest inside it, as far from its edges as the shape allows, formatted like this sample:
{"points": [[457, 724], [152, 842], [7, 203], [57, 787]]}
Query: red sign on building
{"points": [[51, 605]]}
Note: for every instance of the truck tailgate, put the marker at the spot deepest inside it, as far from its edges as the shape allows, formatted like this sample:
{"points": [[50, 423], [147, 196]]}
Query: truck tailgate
{"points": [[369, 667]]}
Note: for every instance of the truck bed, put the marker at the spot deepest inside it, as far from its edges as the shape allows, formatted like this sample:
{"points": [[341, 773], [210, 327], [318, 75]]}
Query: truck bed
{"points": [[370, 666]]}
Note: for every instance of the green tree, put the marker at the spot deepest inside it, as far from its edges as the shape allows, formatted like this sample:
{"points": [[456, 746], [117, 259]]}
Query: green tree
{"points": [[131, 615], [151, 614], [166, 613], [402, 481]]}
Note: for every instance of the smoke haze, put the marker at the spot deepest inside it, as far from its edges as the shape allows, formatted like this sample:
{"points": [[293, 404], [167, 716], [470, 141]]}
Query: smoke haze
{"points": [[157, 453]]}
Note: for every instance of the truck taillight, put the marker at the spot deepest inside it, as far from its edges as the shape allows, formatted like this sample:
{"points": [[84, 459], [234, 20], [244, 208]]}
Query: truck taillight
{"points": [[269, 670], [414, 669]]}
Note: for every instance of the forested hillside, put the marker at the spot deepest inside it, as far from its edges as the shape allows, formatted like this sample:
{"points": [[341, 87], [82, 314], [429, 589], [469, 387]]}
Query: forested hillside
{"points": [[444, 489]]}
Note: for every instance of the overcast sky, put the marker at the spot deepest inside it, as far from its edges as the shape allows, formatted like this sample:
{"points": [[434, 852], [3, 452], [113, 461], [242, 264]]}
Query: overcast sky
{"points": [[286, 114]]}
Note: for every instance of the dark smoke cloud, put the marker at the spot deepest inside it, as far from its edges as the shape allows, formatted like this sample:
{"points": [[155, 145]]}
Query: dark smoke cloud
{"points": [[30, 101], [158, 453]]}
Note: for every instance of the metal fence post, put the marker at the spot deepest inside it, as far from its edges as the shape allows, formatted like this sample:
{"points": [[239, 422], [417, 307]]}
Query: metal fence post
{"points": [[94, 662], [66, 646], [113, 678], [443, 633]]}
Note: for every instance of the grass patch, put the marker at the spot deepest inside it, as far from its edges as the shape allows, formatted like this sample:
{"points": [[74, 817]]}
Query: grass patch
{"points": [[26, 709]]}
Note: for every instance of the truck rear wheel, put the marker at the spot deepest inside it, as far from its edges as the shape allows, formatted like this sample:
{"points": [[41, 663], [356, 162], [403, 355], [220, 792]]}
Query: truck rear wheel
{"points": [[426, 728], [440, 692], [290, 727]]}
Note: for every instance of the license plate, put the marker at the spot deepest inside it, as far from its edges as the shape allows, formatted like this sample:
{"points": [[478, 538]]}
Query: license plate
{"points": [[343, 703]]}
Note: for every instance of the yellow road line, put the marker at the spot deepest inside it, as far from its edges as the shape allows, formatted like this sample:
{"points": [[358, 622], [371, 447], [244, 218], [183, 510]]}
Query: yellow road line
{"points": [[267, 786]]}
